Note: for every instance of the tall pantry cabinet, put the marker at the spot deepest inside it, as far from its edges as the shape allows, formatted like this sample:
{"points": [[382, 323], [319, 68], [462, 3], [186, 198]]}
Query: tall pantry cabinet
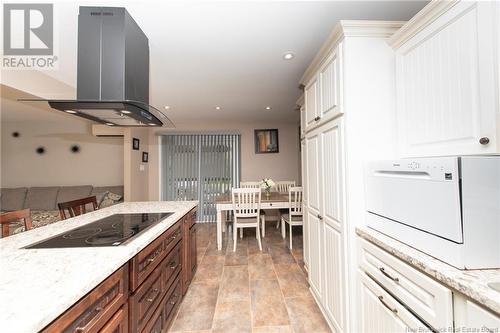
{"points": [[347, 118]]}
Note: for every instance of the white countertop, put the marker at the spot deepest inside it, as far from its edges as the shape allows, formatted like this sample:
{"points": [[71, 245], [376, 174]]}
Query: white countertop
{"points": [[471, 283], [38, 285]]}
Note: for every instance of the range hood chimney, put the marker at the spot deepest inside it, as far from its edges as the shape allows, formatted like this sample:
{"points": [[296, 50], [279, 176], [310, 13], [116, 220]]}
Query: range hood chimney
{"points": [[113, 71]]}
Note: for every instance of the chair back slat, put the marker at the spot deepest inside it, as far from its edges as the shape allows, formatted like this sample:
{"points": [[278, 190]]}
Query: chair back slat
{"points": [[249, 184], [284, 186], [11, 217], [246, 202], [76, 207], [295, 200]]}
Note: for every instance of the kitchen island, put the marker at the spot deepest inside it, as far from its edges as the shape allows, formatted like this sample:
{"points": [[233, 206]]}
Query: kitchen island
{"points": [[37, 286]]}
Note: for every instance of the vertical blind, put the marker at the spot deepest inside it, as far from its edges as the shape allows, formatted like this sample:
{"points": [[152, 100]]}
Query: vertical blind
{"points": [[200, 167]]}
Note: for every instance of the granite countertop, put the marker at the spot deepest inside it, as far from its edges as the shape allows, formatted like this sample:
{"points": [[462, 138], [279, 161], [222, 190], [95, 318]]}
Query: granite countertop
{"points": [[471, 283], [38, 285]]}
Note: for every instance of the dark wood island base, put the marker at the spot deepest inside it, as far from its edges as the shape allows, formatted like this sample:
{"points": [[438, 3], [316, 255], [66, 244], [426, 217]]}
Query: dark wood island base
{"points": [[144, 294]]}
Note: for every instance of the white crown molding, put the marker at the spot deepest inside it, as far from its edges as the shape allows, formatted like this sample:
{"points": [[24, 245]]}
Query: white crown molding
{"points": [[300, 101], [350, 28], [423, 18]]}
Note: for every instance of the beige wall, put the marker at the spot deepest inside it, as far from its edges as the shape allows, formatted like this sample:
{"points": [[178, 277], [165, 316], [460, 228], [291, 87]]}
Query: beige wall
{"points": [[100, 161], [281, 166], [136, 173]]}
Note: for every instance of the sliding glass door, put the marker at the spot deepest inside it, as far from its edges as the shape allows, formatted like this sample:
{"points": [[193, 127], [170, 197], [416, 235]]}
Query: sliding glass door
{"points": [[200, 167]]}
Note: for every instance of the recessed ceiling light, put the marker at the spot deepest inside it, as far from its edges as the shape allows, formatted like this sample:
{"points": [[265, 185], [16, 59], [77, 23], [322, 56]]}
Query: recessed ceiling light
{"points": [[151, 124], [167, 107], [268, 108], [288, 55], [125, 112], [71, 111], [109, 124], [217, 108]]}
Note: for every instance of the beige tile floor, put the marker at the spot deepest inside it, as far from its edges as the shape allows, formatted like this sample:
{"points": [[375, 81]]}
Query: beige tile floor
{"points": [[249, 290]]}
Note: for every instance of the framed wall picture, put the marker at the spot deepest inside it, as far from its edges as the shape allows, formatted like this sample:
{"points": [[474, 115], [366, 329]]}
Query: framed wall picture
{"points": [[266, 141], [135, 144], [145, 157]]}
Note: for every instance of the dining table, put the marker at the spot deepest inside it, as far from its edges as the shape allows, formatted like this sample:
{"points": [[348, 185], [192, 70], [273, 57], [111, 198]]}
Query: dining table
{"points": [[224, 204]]}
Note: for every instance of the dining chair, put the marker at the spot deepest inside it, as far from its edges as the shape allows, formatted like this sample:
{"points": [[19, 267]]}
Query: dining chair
{"points": [[282, 187], [294, 216], [76, 207], [246, 211], [8, 218], [262, 213], [249, 184]]}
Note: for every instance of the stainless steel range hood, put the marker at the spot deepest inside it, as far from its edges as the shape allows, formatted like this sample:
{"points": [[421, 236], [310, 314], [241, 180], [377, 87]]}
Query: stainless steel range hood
{"points": [[113, 71]]}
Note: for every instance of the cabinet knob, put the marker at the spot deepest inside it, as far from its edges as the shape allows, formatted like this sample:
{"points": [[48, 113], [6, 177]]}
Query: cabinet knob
{"points": [[484, 140]]}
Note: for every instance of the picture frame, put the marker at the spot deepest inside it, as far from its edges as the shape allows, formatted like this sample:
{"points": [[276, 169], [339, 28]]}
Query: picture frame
{"points": [[135, 143], [145, 157], [266, 141]]}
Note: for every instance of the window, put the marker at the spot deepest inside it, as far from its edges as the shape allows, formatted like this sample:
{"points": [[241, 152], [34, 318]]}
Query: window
{"points": [[200, 167]]}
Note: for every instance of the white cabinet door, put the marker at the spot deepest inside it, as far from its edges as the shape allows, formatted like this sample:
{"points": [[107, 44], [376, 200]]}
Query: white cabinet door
{"points": [[332, 216], [311, 104], [447, 87], [313, 208], [313, 181], [315, 254], [481, 320], [380, 312], [329, 82], [333, 274], [305, 227], [472, 317]]}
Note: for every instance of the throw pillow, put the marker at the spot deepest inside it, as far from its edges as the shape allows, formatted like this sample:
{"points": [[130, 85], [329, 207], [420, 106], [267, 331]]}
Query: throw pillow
{"points": [[110, 199]]}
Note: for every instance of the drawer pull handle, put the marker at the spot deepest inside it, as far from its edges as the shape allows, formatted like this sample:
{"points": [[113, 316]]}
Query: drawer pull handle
{"points": [[151, 299], [173, 265], [317, 118], [382, 270], [320, 217], [381, 299], [96, 311], [172, 302]]}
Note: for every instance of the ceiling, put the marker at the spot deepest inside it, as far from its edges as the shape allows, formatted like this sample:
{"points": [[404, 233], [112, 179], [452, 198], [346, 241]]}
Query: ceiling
{"points": [[205, 54]]}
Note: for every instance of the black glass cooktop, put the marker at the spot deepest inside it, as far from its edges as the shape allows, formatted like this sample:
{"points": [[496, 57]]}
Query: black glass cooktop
{"points": [[113, 230]]}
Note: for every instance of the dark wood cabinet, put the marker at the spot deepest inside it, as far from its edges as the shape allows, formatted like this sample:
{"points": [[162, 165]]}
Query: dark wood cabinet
{"points": [[193, 250], [95, 309], [189, 252], [148, 259], [144, 294], [118, 323]]}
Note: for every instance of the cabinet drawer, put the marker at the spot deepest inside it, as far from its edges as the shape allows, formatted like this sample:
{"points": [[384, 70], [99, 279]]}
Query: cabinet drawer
{"points": [[145, 300], [173, 236], [119, 322], [171, 266], [430, 300], [380, 312], [173, 301], [157, 322], [165, 312], [148, 259], [93, 311]]}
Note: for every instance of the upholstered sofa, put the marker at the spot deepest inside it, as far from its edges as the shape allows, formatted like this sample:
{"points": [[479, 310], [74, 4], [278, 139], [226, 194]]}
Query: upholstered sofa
{"points": [[43, 200]]}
